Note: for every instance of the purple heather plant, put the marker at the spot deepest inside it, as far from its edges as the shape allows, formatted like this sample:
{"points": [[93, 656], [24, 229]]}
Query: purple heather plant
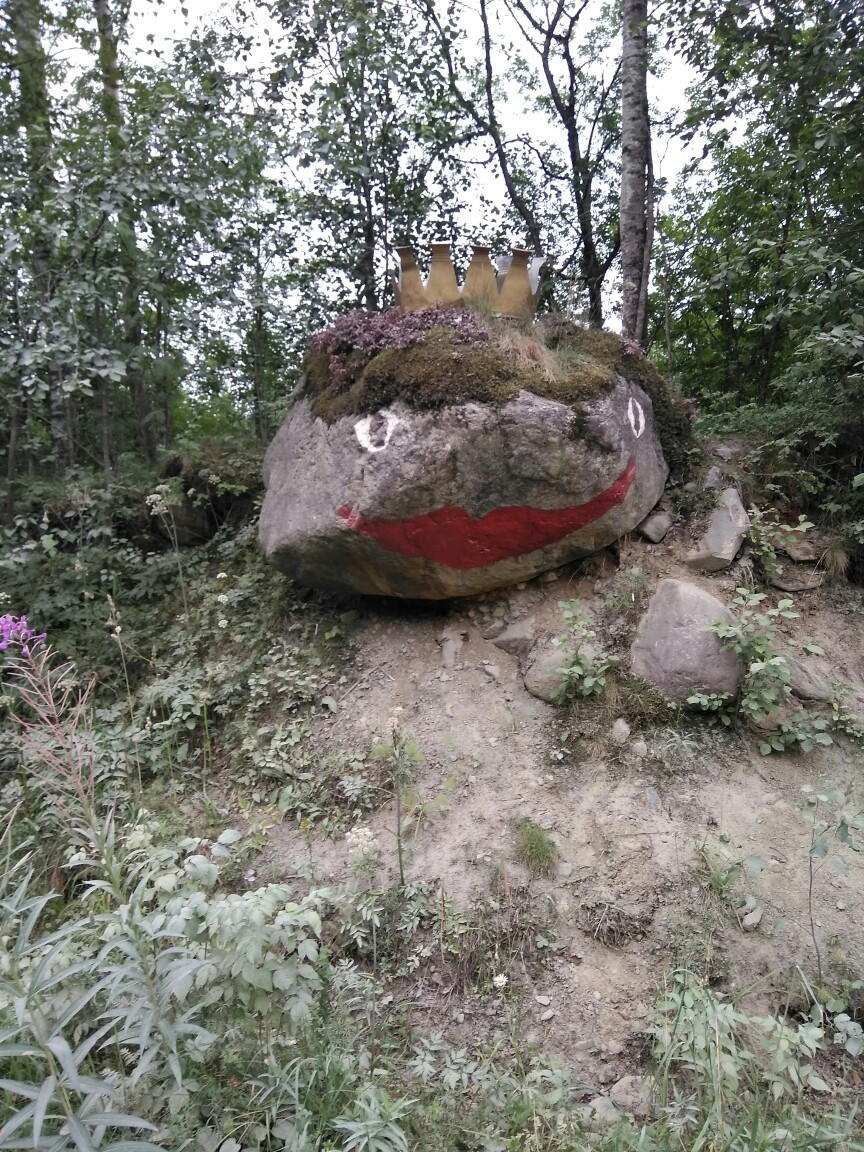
{"points": [[16, 630], [362, 335]]}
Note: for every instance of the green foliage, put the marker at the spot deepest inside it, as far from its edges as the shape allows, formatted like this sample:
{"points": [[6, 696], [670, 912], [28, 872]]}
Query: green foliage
{"points": [[536, 849], [767, 535], [584, 673]]}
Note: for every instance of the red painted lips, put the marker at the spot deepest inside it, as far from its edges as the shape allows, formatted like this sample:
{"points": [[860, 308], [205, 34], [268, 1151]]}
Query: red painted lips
{"points": [[450, 536]]}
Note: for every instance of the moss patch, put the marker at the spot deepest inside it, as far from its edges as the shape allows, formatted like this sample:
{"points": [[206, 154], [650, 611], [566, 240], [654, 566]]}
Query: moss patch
{"points": [[554, 359]]}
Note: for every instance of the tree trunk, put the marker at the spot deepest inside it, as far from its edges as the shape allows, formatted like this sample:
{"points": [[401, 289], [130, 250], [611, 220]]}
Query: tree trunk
{"points": [[635, 165], [109, 71], [12, 462], [34, 111]]}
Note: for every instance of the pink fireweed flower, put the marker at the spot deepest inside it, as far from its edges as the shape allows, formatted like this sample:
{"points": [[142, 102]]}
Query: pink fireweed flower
{"points": [[16, 630]]}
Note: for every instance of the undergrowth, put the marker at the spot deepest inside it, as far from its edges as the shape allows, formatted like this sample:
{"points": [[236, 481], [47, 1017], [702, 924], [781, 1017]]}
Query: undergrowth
{"points": [[155, 993]]}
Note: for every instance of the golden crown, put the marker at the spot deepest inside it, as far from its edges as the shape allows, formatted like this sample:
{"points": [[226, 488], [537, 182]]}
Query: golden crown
{"points": [[512, 289]]}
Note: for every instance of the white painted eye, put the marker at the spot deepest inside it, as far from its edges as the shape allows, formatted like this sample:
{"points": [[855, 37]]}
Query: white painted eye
{"points": [[373, 432], [636, 417]]}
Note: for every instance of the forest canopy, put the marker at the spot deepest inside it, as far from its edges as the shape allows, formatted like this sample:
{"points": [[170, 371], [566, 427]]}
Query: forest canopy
{"points": [[181, 213]]}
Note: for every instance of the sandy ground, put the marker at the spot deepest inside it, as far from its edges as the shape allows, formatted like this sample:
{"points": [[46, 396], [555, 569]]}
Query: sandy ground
{"points": [[631, 897]]}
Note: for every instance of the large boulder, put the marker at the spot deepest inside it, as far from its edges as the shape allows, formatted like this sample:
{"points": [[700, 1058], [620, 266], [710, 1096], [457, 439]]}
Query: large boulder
{"points": [[675, 651], [457, 500]]}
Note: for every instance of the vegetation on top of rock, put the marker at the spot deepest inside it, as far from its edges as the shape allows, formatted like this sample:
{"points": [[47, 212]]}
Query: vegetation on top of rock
{"points": [[443, 356]]}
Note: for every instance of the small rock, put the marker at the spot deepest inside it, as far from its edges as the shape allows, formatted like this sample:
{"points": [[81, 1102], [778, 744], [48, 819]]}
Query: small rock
{"points": [[548, 577], [726, 530], [493, 630], [793, 578], [598, 1114], [517, 638], [450, 641], [543, 1000], [492, 671], [655, 527], [633, 1095], [583, 1047], [350, 617], [548, 1015], [543, 676], [841, 907], [653, 798], [807, 684], [499, 612], [752, 920], [713, 478], [620, 731], [639, 749], [801, 549]]}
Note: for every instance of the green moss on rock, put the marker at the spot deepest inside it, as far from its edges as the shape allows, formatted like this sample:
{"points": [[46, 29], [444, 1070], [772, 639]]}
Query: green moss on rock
{"points": [[557, 360]]}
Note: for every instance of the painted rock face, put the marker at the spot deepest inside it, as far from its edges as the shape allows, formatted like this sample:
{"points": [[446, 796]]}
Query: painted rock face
{"points": [[429, 505]]}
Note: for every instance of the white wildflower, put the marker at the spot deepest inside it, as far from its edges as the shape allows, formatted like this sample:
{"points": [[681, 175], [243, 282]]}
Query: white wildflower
{"points": [[221, 575], [222, 599], [223, 623], [500, 981], [361, 842]]}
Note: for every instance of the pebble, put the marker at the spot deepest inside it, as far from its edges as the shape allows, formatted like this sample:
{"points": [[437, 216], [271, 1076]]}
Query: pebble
{"points": [[548, 1014], [751, 921], [598, 1114], [492, 671], [544, 1000], [639, 749], [620, 731], [841, 907]]}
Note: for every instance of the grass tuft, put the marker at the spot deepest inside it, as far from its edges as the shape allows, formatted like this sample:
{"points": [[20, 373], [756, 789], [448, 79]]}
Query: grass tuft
{"points": [[536, 849]]}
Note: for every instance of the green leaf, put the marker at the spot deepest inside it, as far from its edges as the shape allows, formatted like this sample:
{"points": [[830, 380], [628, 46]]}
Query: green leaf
{"points": [[819, 848]]}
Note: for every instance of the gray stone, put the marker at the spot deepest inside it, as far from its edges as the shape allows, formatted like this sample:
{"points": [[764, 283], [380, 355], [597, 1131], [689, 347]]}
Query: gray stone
{"points": [[494, 629], [807, 684], [632, 1094], [516, 638], [450, 641], [727, 527], [792, 578], [673, 649], [598, 1114], [492, 671], [802, 549], [639, 749], [753, 919], [655, 527], [620, 731], [543, 676], [460, 500], [714, 478]]}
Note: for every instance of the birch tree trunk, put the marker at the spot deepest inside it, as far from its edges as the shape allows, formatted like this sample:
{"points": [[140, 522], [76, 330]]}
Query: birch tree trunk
{"points": [[109, 71], [636, 208], [25, 24]]}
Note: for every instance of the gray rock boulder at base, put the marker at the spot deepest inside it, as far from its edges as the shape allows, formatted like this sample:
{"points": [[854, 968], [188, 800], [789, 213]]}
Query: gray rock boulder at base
{"points": [[726, 530], [655, 527], [543, 676], [674, 652], [431, 504]]}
